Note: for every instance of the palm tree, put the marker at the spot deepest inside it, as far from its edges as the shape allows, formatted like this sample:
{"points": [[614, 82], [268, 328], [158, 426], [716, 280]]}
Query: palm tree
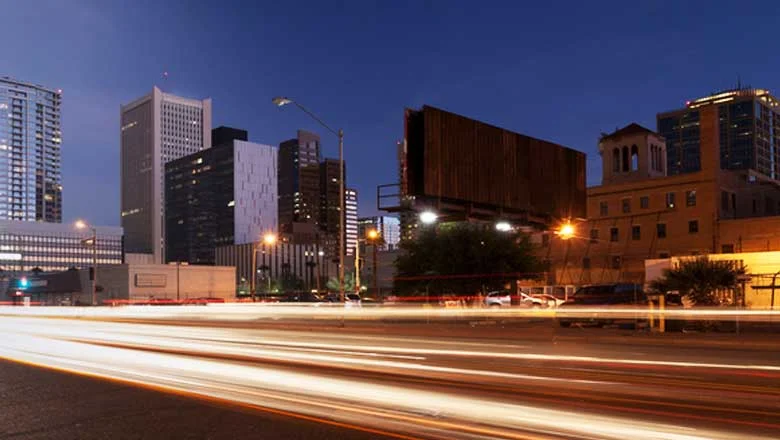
{"points": [[349, 283], [701, 280]]}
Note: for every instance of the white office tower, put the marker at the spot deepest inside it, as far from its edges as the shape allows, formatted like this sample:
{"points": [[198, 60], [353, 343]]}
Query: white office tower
{"points": [[155, 129]]}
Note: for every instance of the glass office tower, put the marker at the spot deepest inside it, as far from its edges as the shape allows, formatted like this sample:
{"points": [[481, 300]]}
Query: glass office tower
{"points": [[30, 142], [749, 126]]}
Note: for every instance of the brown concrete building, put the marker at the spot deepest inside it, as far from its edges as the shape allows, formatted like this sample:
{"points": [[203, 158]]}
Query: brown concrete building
{"points": [[639, 212]]}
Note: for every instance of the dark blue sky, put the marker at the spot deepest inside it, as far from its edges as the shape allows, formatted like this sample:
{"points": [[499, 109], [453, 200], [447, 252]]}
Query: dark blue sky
{"points": [[562, 71]]}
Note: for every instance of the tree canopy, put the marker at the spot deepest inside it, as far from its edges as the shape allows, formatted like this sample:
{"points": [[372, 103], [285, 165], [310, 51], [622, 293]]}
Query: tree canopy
{"points": [[462, 259], [701, 280]]}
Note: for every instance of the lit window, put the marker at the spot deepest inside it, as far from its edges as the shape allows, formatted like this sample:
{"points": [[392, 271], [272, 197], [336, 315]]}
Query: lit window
{"points": [[690, 198]]}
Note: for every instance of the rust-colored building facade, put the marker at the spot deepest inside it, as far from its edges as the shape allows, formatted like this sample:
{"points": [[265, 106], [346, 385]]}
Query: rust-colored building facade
{"points": [[468, 170]]}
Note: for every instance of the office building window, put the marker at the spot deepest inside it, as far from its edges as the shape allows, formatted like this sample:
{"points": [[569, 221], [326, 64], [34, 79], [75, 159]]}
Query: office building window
{"points": [[690, 198], [727, 249], [660, 230], [670, 200], [626, 206], [644, 202], [724, 201], [615, 261], [693, 226], [594, 235], [586, 263], [603, 209], [613, 234], [755, 206], [636, 233]]}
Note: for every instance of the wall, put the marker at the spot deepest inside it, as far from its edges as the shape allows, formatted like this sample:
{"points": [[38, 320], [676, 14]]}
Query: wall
{"points": [[255, 188], [760, 266], [194, 282], [453, 157]]}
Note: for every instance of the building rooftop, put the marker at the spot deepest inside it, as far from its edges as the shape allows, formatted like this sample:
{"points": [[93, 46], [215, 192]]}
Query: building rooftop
{"points": [[731, 95], [632, 128]]}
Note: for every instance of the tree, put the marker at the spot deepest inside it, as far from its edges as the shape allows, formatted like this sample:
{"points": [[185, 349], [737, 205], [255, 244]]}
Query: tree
{"points": [[463, 258], [701, 280], [349, 283]]}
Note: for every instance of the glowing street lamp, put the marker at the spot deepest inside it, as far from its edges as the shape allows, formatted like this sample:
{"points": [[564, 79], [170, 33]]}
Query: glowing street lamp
{"points": [[81, 224], [503, 227], [428, 217], [566, 231], [269, 238]]}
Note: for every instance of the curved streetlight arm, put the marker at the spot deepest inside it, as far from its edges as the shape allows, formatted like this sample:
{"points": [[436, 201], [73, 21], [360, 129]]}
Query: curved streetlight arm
{"points": [[313, 116]]}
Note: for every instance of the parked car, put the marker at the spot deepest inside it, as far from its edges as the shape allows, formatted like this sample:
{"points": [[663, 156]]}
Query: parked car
{"points": [[302, 297], [498, 299], [603, 295], [503, 298], [352, 300]]}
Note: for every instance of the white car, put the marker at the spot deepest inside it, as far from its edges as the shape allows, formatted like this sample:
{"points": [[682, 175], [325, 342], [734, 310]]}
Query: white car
{"points": [[504, 299], [352, 300]]}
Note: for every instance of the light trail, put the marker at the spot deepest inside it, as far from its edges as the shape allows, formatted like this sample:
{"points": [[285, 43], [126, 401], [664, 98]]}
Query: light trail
{"points": [[408, 386], [319, 311]]}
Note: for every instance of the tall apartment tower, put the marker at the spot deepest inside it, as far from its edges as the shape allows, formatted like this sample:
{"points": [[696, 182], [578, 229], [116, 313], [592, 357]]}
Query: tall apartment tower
{"points": [[299, 180], [155, 129], [221, 196], [350, 220], [30, 152], [748, 123]]}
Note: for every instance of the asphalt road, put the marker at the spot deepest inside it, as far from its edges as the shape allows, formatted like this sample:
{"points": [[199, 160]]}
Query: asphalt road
{"points": [[419, 383], [38, 403]]}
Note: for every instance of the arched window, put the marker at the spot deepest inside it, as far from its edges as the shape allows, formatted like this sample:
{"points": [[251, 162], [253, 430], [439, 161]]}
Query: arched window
{"points": [[625, 159], [616, 160], [634, 158]]}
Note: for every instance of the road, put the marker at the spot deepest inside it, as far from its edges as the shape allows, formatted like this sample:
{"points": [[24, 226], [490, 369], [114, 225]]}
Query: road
{"points": [[40, 404], [428, 386]]}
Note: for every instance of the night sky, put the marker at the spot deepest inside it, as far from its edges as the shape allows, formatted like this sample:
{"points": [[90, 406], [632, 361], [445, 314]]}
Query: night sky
{"points": [[561, 71]]}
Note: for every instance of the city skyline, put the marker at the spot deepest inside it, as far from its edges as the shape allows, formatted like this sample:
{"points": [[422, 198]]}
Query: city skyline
{"points": [[523, 92]]}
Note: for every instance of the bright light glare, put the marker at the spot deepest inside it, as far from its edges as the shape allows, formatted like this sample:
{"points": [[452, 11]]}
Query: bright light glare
{"points": [[428, 217], [269, 238], [81, 224], [372, 234], [566, 231], [503, 226]]}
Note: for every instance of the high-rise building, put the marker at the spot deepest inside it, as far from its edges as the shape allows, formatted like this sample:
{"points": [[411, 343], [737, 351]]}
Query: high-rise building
{"points": [[30, 152], [350, 220], [389, 229], [155, 129], [220, 196], [330, 206], [299, 180], [748, 123]]}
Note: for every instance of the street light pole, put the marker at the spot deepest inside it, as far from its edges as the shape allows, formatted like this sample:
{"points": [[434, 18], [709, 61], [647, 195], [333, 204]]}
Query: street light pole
{"points": [[281, 101], [253, 280], [94, 266], [342, 214]]}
